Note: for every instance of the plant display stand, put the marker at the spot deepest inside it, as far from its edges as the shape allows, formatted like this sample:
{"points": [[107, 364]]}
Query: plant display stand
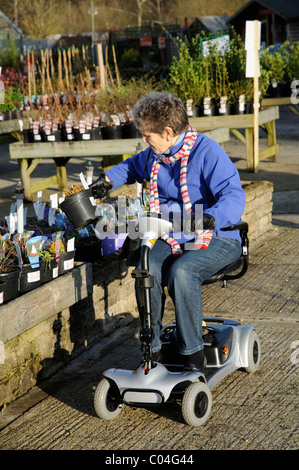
{"points": [[29, 156], [283, 101], [267, 119]]}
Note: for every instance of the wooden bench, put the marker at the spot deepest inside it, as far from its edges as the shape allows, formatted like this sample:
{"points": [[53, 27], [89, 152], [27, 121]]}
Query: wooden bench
{"points": [[267, 118], [29, 156]]}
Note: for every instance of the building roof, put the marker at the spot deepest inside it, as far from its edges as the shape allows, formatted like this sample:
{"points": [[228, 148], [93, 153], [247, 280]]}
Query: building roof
{"points": [[10, 24], [287, 9], [213, 23]]}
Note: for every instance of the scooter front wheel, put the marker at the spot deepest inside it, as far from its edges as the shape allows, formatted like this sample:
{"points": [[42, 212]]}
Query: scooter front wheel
{"points": [[254, 353], [197, 404], [106, 400]]}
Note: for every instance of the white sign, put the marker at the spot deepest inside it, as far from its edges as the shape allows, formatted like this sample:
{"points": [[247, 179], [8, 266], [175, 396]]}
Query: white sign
{"points": [[249, 47]]}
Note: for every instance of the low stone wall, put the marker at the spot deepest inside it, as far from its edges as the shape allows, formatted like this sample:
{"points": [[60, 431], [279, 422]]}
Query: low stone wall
{"points": [[44, 329], [258, 209]]}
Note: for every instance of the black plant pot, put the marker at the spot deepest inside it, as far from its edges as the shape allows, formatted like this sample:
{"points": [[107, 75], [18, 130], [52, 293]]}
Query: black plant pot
{"points": [[236, 108], [85, 136], [89, 251], [197, 111], [28, 136], [55, 136], [30, 277], [37, 137], [209, 111], [79, 209], [96, 134], [250, 107], [49, 271], [112, 132], [67, 136], [9, 285], [225, 110], [66, 262], [130, 131]]}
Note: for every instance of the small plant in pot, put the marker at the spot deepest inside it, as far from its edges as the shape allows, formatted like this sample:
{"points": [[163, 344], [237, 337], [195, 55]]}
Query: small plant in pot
{"points": [[56, 246], [9, 270], [48, 257], [222, 86], [272, 61], [78, 206], [29, 246], [50, 264], [87, 244], [64, 256]]}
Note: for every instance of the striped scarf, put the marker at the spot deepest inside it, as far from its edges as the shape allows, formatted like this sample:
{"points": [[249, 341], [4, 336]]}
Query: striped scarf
{"points": [[203, 236]]}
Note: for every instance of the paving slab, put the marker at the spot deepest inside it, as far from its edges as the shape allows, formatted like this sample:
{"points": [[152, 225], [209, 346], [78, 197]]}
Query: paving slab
{"points": [[249, 411]]}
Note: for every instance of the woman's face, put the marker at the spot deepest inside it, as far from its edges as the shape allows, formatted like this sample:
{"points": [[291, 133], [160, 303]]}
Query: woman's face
{"points": [[159, 142]]}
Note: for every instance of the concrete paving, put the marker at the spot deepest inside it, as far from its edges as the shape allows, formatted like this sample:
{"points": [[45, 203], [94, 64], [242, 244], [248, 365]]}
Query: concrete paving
{"points": [[249, 411]]}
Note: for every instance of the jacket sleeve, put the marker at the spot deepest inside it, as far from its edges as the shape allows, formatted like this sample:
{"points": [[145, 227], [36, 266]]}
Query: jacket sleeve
{"points": [[129, 171], [227, 198]]}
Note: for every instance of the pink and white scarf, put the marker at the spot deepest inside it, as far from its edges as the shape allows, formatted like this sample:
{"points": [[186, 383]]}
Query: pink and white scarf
{"points": [[203, 236]]}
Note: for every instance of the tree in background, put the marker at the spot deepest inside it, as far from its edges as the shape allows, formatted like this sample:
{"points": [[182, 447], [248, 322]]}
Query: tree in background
{"points": [[40, 18]]}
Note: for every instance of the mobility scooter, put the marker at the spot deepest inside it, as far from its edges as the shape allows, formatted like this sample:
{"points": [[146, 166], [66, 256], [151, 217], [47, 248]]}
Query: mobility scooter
{"points": [[228, 347]]}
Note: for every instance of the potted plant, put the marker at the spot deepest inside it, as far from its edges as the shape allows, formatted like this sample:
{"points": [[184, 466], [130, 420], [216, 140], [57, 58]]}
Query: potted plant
{"points": [[186, 78], [65, 253], [293, 61], [272, 62], [9, 270], [236, 64], [49, 269], [78, 206], [238, 97], [87, 244], [222, 86], [209, 96], [30, 276]]}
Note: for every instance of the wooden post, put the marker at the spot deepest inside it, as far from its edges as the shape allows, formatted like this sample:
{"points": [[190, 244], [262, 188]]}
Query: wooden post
{"points": [[66, 73], [60, 81], [116, 67], [70, 67], [33, 74], [43, 72], [101, 66], [256, 98], [29, 76]]}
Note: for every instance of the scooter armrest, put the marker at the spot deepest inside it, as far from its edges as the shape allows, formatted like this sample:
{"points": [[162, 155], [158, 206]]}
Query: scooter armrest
{"points": [[238, 226]]}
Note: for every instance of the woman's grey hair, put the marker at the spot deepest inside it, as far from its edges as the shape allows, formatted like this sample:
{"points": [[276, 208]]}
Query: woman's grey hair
{"points": [[157, 110]]}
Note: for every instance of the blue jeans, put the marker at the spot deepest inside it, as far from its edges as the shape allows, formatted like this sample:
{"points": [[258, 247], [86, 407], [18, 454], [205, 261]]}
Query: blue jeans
{"points": [[183, 277]]}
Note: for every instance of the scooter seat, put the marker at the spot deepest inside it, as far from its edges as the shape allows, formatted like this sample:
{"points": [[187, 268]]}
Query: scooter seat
{"points": [[231, 271]]}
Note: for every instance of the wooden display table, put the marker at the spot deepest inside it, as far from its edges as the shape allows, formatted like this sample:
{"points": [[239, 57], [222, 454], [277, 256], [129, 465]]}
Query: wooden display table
{"points": [[284, 101], [267, 119], [30, 155]]}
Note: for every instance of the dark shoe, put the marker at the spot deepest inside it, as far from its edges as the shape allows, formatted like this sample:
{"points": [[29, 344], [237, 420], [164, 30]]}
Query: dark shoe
{"points": [[195, 362]]}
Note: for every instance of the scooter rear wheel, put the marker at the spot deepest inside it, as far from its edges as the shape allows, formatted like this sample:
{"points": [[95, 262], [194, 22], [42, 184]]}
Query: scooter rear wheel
{"points": [[106, 400], [197, 404]]}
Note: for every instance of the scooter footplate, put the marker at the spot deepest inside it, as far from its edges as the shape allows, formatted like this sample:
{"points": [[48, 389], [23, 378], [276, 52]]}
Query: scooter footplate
{"points": [[154, 387], [134, 397]]}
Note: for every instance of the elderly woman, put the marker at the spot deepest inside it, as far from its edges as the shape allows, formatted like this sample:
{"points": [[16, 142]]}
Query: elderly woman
{"points": [[187, 169]]}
